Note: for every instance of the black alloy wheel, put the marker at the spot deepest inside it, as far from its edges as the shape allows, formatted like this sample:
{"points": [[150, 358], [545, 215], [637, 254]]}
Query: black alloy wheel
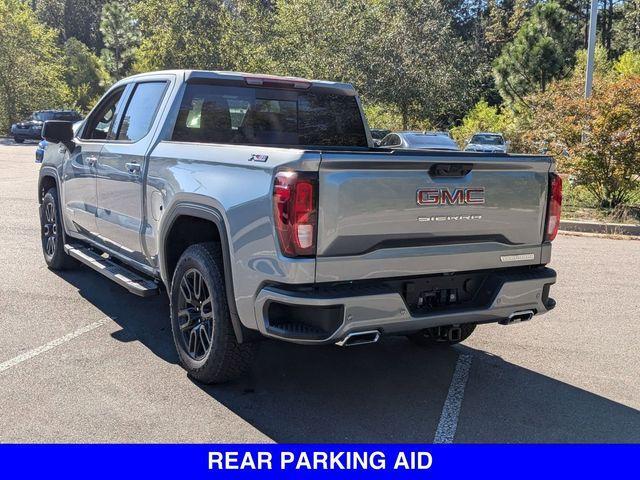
{"points": [[195, 314], [49, 230], [52, 233], [205, 339]]}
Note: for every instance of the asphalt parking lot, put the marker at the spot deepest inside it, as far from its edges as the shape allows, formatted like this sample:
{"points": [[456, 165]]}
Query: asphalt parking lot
{"points": [[82, 360]]}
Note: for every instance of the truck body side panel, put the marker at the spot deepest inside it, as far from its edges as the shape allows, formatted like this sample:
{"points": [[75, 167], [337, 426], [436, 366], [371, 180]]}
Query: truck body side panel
{"points": [[223, 178]]}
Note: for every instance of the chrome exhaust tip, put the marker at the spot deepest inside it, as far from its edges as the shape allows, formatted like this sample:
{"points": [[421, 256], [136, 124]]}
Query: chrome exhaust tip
{"points": [[517, 317], [359, 338]]}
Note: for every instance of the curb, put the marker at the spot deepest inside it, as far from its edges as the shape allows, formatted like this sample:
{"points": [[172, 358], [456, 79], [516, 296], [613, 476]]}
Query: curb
{"points": [[597, 227]]}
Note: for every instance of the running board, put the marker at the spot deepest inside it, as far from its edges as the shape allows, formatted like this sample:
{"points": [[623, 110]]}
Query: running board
{"points": [[113, 271]]}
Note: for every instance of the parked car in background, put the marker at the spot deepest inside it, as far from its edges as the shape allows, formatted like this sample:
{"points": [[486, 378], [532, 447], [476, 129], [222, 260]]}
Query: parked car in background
{"points": [[419, 141], [31, 129], [487, 142]]}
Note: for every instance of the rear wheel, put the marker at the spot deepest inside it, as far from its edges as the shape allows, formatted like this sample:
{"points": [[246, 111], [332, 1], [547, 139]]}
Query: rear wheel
{"points": [[51, 233], [200, 319], [448, 335], [18, 140]]}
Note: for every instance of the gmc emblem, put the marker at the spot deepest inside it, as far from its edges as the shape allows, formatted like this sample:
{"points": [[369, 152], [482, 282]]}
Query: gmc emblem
{"points": [[444, 196]]}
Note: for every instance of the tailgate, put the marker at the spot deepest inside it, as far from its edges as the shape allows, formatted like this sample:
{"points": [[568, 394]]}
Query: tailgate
{"points": [[385, 214]]}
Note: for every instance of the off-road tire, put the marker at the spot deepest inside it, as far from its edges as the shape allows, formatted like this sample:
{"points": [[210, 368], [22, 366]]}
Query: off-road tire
{"points": [[428, 338], [224, 359], [51, 233]]}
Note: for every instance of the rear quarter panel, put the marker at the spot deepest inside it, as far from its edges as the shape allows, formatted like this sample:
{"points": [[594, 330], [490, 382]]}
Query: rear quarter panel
{"points": [[222, 177]]}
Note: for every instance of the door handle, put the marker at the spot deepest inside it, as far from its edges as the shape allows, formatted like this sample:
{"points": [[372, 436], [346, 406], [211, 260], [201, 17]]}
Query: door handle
{"points": [[133, 167], [92, 160]]}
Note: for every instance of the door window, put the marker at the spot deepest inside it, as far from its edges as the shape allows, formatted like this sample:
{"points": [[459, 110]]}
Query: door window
{"points": [[101, 122], [141, 110]]}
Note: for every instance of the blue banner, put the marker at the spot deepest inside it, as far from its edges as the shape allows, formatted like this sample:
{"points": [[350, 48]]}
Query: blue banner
{"points": [[318, 461]]}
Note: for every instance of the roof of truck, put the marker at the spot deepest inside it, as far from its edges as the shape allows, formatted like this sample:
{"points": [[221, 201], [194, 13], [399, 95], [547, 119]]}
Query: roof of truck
{"points": [[226, 75]]}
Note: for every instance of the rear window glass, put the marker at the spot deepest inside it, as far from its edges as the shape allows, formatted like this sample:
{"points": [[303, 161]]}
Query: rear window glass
{"points": [[68, 116], [43, 116], [262, 116], [487, 139], [430, 140]]}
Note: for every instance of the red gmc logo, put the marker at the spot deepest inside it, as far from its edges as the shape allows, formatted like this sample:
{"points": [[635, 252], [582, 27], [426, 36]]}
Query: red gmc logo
{"points": [[456, 196]]}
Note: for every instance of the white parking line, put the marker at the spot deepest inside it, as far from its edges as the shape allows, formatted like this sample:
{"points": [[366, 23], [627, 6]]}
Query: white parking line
{"points": [[448, 423], [48, 346]]}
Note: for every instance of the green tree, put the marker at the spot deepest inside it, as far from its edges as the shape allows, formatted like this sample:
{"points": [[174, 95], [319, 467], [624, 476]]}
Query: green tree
{"points": [[416, 64], [503, 20], [31, 74], [323, 38], [84, 73], [179, 34], [481, 118], [542, 50], [627, 64], [72, 19], [247, 36], [386, 117], [120, 35], [627, 29], [601, 64]]}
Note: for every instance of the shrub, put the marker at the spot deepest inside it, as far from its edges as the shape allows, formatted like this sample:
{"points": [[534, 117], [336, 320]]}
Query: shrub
{"points": [[596, 140]]}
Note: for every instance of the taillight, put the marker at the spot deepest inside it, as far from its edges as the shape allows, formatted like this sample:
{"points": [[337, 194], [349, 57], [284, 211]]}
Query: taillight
{"points": [[295, 201], [554, 207]]}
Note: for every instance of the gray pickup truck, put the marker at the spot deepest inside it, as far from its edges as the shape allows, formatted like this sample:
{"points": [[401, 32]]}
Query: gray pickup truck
{"points": [[262, 208]]}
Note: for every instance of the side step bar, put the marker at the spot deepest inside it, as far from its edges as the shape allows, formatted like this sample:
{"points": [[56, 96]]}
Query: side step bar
{"points": [[113, 271]]}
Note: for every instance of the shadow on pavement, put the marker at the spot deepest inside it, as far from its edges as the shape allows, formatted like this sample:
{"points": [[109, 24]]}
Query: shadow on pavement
{"points": [[145, 320], [392, 391]]}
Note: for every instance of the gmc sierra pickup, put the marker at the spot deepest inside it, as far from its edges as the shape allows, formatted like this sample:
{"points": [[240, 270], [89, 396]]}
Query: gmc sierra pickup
{"points": [[261, 206]]}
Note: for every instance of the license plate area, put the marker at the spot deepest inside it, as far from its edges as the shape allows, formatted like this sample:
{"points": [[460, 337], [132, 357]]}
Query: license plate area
{"points": [[446, 292]]}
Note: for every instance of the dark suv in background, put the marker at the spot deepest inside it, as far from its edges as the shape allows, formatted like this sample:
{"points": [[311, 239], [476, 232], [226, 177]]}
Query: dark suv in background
{"points": [[31, 129]]}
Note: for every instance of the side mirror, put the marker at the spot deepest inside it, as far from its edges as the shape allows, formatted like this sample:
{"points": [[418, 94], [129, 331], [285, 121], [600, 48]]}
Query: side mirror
{"points": [[57, 131]]}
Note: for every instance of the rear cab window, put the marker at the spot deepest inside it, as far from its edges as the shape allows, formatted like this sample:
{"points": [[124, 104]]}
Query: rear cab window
{"points": [[247, 115]]}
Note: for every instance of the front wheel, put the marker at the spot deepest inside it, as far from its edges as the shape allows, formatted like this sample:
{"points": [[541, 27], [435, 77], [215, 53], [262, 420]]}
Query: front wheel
{"points": [[200, 319], [51, 233], [442, 335], [18, 140]]}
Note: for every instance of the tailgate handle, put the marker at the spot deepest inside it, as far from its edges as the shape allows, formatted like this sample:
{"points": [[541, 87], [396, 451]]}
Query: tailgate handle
{"points": [[450, 169]]}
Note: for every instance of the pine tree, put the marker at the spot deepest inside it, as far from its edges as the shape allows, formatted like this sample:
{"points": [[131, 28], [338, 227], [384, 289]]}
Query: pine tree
{"points": [[121, 36], [542, 50]]}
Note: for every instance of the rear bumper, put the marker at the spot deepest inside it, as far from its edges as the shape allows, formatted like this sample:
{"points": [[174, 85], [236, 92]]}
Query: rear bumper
{"points": [[352, 308]]}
